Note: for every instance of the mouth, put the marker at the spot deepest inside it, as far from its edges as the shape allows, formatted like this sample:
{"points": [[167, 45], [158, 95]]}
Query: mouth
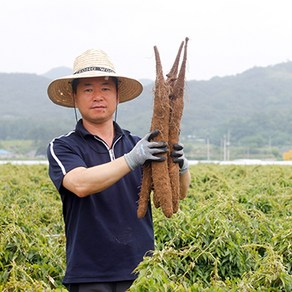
{"points": [[98, 107]]}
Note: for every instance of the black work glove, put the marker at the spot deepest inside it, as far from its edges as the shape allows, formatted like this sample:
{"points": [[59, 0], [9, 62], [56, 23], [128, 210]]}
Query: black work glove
{"points": [[178, 157]]}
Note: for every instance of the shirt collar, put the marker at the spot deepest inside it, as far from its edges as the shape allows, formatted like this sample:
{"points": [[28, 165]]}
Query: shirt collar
{"points": [[83, 132]]}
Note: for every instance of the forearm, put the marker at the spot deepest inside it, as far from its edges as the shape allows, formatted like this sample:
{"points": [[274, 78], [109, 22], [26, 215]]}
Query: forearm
{"points": [[84, 181], [185, 181], [87, 181]]}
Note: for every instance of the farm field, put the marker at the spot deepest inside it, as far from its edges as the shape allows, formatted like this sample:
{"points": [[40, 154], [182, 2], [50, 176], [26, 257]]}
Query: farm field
{"points": [[233, 232]]}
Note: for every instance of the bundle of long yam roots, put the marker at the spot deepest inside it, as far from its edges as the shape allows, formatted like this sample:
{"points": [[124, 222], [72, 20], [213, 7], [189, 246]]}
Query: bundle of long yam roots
{"points": [[162, 178]]}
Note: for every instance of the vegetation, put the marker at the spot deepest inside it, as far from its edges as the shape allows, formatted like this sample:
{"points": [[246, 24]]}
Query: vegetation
{"points": [[32, 242], [232, 232]]}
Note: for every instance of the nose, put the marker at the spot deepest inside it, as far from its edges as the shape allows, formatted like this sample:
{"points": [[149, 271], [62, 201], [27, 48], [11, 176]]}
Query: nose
{"points": [[98, 95]]}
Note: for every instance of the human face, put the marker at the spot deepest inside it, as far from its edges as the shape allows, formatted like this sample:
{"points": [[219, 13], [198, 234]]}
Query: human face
{"points": [[96, 98]]}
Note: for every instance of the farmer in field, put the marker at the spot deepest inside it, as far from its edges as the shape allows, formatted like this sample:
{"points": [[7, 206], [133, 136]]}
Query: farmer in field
{"points": [[97, 170]]}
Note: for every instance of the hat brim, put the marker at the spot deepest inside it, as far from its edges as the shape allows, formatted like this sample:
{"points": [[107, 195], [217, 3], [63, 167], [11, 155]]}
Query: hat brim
{"points": [[60, 90]]}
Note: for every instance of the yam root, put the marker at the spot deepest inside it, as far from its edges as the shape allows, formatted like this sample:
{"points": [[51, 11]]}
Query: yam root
{"points": [[162, 178], [160, 120], [176, 107], [145, 191]]}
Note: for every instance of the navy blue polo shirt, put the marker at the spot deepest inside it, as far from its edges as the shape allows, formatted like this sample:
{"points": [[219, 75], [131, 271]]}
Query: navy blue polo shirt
{"points": [[105, 241]]}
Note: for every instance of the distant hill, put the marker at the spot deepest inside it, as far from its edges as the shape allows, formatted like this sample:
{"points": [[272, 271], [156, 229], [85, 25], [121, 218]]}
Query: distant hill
{"points": [[57, 72], [254, 107]]}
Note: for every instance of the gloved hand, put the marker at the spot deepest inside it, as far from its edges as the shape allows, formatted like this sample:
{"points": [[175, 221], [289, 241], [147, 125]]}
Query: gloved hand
{"points": [[178, 157], [146, 150]]}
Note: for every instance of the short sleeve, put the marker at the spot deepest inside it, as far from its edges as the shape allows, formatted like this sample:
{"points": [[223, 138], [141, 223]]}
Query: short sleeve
{"points": [[62, 158]]}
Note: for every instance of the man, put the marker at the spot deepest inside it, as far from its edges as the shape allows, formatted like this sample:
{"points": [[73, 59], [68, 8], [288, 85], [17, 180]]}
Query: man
{"points": [[96, 169]]}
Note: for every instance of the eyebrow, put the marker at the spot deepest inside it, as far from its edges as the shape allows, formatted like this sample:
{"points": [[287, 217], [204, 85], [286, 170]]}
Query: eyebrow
{"points": [[103, 83]]}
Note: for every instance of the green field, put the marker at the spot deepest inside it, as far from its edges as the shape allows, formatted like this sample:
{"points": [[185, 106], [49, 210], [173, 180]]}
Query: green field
{"points": [[233, 232]]}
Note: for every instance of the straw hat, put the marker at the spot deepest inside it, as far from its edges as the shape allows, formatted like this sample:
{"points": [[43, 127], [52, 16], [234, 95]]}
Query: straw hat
{"points": [[92, 63]]}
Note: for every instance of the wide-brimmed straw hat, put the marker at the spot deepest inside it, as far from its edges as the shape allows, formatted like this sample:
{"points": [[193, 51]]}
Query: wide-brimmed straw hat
{"points": [[92, 63]]}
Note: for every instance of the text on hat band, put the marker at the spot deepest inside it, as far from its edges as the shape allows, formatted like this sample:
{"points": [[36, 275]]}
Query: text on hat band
{"points": [[102, 69]]}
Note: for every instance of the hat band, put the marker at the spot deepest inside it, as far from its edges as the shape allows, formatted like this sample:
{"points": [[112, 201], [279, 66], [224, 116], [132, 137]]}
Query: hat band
{"points": [[101, 69]]}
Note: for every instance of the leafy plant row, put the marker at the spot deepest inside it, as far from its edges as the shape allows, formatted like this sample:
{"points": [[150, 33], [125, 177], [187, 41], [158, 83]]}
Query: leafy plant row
{"points": [[232, 233], [31, 230]]}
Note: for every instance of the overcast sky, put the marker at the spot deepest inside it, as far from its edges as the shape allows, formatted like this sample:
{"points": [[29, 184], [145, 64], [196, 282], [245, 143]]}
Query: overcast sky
{"points": [[227, 37]]}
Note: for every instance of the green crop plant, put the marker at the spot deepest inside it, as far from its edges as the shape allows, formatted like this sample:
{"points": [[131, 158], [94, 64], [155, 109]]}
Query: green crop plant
{"points": [[31, 235], [233, 232]]}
